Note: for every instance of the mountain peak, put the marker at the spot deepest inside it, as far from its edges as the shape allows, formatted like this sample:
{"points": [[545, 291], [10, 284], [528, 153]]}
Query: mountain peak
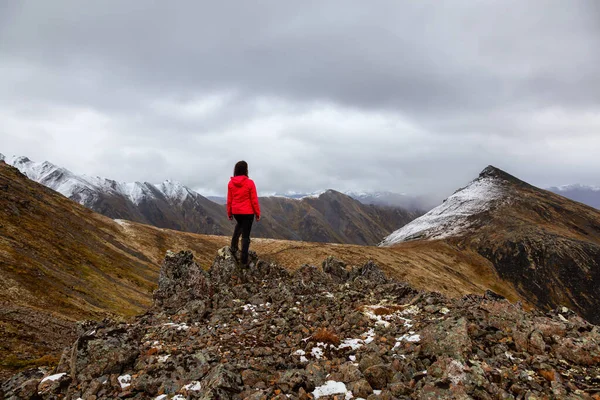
{"points": [[490, 170], [454, 217], [493, 172]]}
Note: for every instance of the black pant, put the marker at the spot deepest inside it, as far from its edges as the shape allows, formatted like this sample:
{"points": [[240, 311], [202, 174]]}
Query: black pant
{"points": [[243, 227]]}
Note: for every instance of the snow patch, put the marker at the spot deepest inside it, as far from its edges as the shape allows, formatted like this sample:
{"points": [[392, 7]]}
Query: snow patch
{"points": [[180, 327], [355, 344], [122, 222], [410, 337], [174, 190], [451, 218], [124, 381], [317, 351], [369, 336], [194, 386], [331, 388], [371, 312], [54, 377]]}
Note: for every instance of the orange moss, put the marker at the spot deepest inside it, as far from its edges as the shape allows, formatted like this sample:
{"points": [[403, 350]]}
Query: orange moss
{"points": [[326, 336]]}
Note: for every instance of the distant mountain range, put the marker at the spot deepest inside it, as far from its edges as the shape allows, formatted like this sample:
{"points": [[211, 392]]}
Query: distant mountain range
{"points": [[390, 199], [589, 195], [329, 216], [585, 194]]}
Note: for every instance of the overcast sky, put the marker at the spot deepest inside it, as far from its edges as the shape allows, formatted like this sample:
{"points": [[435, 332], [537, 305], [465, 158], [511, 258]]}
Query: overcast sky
{"points": [[413, 97]]}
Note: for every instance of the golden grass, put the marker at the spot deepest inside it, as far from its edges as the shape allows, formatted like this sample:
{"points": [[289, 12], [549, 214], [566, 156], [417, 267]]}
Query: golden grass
{"points": [[12, 362]]}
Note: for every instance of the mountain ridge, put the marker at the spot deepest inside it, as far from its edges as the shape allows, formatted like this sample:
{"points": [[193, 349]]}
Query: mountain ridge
{"points": [[172, 205]]}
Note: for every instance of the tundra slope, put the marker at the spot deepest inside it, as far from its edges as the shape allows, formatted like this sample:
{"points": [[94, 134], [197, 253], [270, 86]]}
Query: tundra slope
{"points": [[547, 246]]}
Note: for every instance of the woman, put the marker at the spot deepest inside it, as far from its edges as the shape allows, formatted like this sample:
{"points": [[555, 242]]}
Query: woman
{"points": [[242, 204]]}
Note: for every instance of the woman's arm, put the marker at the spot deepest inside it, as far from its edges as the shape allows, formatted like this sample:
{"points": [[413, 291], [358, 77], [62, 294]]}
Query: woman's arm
{"points": [[229, 211], [254, 201]]}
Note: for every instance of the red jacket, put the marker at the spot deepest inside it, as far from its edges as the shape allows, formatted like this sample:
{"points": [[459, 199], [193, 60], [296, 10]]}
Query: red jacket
{"points": [[241, 196]]}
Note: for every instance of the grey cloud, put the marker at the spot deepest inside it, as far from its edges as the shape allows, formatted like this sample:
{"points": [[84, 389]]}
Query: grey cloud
{"points": [[414, 96], [422, 56]]}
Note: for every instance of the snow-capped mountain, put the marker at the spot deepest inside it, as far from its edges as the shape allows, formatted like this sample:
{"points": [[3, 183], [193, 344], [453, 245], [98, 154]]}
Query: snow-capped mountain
{"points": [[585, 194], [84, 189], [169, 204], [324, 216], [453, 216]]}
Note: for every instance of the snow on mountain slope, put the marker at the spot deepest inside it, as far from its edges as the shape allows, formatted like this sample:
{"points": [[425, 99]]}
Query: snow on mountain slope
{"points": [[452, 217], [84, 189], [174, 190]]}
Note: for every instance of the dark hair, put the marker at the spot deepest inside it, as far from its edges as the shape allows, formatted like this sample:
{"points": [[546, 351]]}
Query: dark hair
{"points": [[241, 168]]}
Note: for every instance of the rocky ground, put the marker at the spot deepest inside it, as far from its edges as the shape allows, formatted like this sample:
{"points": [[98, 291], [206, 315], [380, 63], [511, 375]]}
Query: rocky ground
{"points": [[329, 332]]}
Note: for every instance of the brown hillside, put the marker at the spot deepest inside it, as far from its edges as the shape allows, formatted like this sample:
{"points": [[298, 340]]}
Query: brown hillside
{"points": [[548, 246], [61, 262]]}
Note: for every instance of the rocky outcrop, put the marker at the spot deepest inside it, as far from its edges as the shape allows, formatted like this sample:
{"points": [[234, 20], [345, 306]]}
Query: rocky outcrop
{"points": [[550, 270], [328, 331]]}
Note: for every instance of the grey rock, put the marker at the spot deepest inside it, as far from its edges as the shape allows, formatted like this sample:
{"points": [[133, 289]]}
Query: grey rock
{"points": [[378, 376], [369, 360], [181, 280], [223, 379], [361, 388]]}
